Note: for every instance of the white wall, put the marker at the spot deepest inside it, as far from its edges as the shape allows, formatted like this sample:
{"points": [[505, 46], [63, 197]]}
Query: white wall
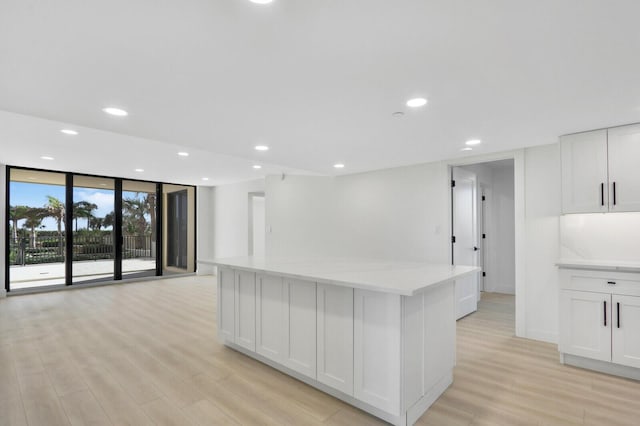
{"points": [[205, 227], [390, 214], [231, 218], [3, 203], [542, 235]]}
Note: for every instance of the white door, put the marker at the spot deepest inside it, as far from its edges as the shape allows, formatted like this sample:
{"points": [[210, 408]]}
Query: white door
{"points": [[270, 311], [465, 246], [624, 175], [300, 326], [626, 330], [585, 324], [245, 301], [584, 172], [335, 337]]}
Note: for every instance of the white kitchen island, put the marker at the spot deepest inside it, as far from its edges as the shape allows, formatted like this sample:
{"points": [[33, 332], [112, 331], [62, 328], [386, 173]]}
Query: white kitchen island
{"points": [[377, 335]]}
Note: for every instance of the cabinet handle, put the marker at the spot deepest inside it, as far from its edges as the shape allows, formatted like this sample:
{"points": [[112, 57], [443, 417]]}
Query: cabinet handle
{"points": [[618, 306], [614, 193], [605, 313], [611, 282], [602, 194]]}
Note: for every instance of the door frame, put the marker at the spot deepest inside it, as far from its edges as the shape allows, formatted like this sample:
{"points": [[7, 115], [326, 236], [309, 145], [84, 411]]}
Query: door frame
{"points": [[250, 216], [518, 158]]}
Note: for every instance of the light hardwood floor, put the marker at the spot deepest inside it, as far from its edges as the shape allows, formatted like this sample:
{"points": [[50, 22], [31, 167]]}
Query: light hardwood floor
{"points": [[146, 353]]}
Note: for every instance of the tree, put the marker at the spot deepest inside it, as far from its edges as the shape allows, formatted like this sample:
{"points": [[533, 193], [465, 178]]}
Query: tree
{"points": [[96, 223], [16, 214], [83, 209], [34, 218], [133, 217], [56, 209]]}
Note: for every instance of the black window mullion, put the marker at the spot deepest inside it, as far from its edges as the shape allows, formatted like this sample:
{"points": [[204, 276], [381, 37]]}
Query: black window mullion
{"points": [[117, 231], [68, 229], [7, 240], [159, 228]]}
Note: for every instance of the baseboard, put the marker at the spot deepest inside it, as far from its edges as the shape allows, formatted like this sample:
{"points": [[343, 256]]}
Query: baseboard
{"points": [[602, 366], [3, 293]]}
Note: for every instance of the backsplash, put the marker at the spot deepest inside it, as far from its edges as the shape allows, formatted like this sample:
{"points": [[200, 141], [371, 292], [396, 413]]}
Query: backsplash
{"points": [[598, 236]]}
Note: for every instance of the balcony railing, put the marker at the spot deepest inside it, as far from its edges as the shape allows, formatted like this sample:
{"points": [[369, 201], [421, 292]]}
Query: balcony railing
{"points": [[51, 249]]}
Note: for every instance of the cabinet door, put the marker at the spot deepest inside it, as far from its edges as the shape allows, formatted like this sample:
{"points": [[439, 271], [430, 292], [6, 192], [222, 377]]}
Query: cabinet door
{"points": [[376, 348], [626, 330], [245, 330], [226, 304], [584, 172], [624, 174], [300, 327], [335, 337], [585, 324], [270, 309]]}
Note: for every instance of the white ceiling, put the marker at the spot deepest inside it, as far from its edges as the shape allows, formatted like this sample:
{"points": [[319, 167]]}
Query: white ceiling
{"points": [[315, 80]]}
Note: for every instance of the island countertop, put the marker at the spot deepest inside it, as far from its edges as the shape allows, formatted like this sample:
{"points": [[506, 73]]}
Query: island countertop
{"points": [[393, 277]]}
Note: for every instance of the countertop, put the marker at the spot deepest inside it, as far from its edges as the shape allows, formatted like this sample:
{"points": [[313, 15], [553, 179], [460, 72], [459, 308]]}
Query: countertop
{"points": [[599, 265], [403, 278]]}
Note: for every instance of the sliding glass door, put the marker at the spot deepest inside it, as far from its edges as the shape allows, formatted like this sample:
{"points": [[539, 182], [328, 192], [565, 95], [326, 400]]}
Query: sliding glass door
{"points": [[67, 228]]}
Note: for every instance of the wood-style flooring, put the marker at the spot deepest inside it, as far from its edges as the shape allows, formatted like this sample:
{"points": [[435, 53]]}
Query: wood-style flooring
{"points": [[146, 353]]}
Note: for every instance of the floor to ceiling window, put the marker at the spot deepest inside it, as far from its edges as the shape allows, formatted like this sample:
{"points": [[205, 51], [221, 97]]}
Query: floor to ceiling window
{"points": [[66, 229]]}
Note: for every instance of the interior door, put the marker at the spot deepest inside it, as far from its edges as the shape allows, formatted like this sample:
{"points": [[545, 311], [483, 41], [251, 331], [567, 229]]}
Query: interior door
{"points": [[464, 239]]}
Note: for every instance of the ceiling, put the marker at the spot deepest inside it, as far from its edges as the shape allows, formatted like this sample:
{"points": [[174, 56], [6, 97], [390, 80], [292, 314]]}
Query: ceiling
{"points": [[317, 81]]}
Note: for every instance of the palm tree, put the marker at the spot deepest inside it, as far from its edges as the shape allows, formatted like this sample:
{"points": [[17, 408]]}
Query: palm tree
{"points": [[17, 213], [96, 223], [83, 209], [56, 209], [34, 218]]}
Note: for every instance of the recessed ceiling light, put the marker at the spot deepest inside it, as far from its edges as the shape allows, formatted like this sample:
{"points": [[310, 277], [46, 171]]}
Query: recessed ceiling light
{"points": [[69, 132], [139, 170], [261, 148], [416, 102], [205, 178], [115, 111], [261, 1], [398, 114], [183, 154], [339, 166], [46, 157], [257, 166], [468, 148], [472, 142]]}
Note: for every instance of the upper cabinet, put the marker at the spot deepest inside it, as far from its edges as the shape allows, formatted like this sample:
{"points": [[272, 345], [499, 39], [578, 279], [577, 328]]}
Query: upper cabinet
{"points": [[598, 174], [624, 170]]}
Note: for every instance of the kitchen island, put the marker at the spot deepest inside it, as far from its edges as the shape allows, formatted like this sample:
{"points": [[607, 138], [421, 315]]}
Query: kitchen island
{"points": [[377, 335]]}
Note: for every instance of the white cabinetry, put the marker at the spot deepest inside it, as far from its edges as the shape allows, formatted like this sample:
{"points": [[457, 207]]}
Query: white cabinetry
{"points": [[376, 339], [624, 174], [626, 330], [270, 312], [300, 327], [600, 319], [335, 337], [599, 170], [245, 306], [585, 324], [584, 172], [226, 305]]}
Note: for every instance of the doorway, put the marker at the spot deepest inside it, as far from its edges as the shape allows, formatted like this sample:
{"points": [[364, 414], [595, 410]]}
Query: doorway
{"points": [[483, 230], [257, 229]]}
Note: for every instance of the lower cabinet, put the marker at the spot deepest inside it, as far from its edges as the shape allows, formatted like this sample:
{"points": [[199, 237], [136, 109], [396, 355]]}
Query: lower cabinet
{"points": [[603, 322], [270, 313], [376, 342], [300, 326], [227, 304], [335, 337], [245, 310], [626, 330]]}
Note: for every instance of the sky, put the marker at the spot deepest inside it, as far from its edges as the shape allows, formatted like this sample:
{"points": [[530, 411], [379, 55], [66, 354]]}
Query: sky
{"points": [[35, 195]]}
